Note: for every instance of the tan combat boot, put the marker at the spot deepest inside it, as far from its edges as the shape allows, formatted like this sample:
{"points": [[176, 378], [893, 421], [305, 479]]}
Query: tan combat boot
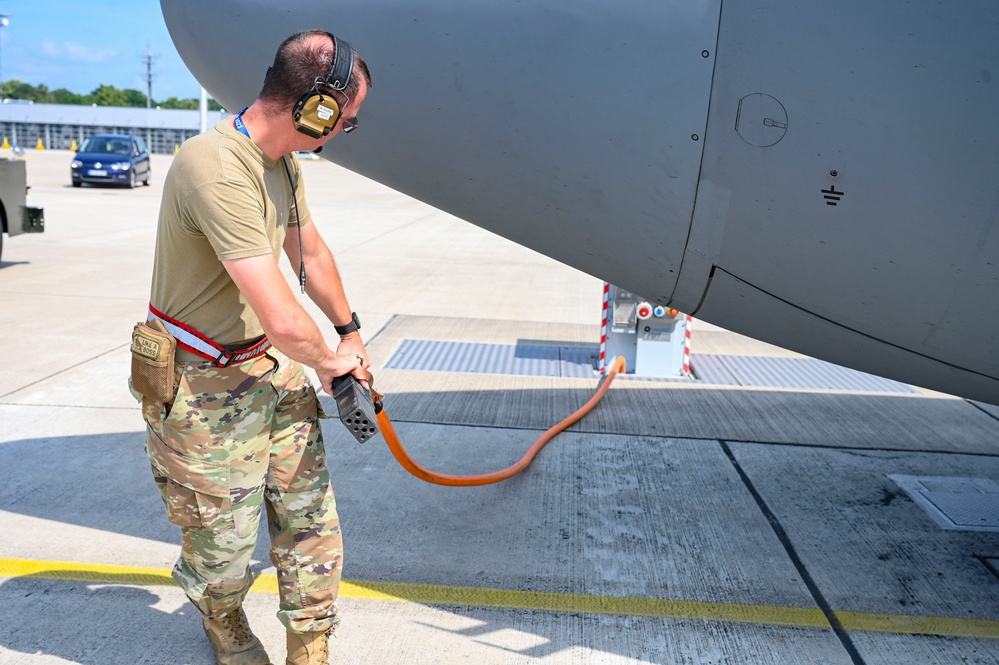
{"points": [[234, 642], [309, 648]]}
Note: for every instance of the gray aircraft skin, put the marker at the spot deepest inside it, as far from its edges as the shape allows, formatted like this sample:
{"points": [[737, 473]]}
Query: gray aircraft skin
{"points": [[820, 176]]}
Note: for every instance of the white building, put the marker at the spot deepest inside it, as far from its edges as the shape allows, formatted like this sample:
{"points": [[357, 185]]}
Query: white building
{"points": [[58, 125]]}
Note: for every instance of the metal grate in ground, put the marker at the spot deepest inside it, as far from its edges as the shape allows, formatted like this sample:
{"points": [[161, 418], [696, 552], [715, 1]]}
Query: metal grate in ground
{"points": [[522, 359], [967, 504], [578, 361], [777, 372]]}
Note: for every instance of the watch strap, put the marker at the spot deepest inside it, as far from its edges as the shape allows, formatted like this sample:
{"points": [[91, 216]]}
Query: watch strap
{"points": [[355, 324]]}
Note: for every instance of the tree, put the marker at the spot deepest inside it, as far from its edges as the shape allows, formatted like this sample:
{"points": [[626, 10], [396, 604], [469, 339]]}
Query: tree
{"points": [[15, 89], [104, 95], [64, 96], [174, 103], [108, 95], [135, 98]]}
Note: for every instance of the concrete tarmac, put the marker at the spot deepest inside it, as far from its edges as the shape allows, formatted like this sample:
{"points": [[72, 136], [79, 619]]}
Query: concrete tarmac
{"points": [[679, 522]]}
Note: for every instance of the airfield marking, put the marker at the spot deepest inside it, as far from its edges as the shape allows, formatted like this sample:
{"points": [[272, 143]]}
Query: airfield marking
{"points": [[431, 594]]}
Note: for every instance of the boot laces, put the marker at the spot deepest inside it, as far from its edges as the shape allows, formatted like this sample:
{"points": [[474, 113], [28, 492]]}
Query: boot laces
{"points": [[235, 623], [324, 643], [325, 648]]}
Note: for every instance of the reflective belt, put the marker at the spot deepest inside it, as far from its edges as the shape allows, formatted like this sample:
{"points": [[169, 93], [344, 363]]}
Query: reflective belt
{"points": [[190, 339]]}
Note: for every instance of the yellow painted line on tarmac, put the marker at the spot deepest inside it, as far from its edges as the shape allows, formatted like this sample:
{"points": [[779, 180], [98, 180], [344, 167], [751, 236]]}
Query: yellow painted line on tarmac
{"points": [[85, 572], [588, 604], [919, 625], [430, 594]]}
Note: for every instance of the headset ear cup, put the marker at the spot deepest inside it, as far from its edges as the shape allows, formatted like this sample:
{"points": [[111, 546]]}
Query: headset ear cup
{"points": [[316, 114]]}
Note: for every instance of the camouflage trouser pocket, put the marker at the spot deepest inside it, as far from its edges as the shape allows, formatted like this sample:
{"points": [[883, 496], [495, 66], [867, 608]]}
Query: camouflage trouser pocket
{"points": [[195, 487], [193, 509], [195, 491]]}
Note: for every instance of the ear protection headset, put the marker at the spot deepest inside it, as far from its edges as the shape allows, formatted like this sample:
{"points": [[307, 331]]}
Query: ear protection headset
{"points": [[316, 113]]}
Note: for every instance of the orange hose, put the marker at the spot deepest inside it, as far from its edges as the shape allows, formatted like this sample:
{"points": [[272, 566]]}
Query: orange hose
{"points": [[429, 476]]}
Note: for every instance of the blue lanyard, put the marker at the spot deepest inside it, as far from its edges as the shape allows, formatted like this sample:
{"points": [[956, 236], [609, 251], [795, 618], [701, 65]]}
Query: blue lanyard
{"points": [[240, 127]]}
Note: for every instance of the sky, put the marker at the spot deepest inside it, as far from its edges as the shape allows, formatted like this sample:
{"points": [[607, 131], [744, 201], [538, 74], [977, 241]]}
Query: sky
{"points": [[81, 45]]}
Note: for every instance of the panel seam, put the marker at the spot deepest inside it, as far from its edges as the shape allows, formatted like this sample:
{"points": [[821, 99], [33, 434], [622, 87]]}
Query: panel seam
{"points": [[785, 541]]}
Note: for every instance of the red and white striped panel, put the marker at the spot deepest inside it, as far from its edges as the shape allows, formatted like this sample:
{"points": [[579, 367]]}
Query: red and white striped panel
{"points": [[686, 346], [602, 365]]}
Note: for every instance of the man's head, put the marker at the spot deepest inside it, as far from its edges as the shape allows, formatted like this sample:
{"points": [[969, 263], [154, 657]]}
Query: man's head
{"points": [[301, 66]]}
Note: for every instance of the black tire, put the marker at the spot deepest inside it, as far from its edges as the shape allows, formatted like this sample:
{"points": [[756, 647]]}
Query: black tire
{"points": [[149, 176], [77, 184], [1, 244], [131, 179]]}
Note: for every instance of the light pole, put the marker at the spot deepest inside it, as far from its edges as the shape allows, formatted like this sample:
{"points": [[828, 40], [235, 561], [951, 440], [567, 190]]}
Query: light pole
{"points": [[4, 22]]}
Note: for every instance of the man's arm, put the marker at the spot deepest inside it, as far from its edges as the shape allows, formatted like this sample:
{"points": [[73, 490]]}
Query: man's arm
{"points": [[324, 285], [288, 327]]}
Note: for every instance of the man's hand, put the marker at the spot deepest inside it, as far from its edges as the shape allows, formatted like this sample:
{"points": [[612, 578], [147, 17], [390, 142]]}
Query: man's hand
{"points": [[342, 363], [351, 344]]}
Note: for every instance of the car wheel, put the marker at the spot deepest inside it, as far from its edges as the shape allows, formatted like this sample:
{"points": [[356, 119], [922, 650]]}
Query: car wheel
{"points": [[76, 184], [131, 179], [149, 176]]}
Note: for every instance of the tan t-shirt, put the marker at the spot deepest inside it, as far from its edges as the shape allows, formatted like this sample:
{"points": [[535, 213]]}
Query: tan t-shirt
{"points": [[223, 198]]}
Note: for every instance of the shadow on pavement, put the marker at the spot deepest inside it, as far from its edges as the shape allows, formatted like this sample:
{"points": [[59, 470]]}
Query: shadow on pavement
{"points": [[99, 623]]}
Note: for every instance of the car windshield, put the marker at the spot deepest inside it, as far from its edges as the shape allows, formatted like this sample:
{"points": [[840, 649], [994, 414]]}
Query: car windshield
{"points": [[106, 145]]}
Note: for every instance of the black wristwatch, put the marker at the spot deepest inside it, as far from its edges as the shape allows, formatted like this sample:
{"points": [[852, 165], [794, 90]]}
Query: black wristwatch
{"points": [[355, 324]]}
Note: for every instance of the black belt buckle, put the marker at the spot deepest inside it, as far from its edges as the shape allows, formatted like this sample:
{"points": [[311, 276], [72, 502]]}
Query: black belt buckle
{"points": [[357, 411]]}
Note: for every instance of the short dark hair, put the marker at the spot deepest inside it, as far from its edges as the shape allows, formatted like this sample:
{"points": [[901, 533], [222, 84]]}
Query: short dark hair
{"points": [[299, 61]]}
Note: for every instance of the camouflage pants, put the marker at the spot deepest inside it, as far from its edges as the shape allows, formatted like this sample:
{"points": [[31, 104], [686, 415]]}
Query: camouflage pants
{"points": [[234, 439]]}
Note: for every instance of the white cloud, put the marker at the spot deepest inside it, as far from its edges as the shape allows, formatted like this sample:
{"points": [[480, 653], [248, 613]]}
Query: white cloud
{"points": [[51, 49], [76, 52]]}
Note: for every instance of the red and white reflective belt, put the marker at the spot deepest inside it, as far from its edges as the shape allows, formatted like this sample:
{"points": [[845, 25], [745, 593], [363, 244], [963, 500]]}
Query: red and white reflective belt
{"points": [[190, 339]]}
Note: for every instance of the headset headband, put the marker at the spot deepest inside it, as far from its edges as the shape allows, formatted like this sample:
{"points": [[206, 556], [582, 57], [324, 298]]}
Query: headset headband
{"points": [[343, 65]]}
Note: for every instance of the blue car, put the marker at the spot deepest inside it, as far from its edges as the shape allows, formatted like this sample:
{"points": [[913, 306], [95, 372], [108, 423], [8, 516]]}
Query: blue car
{"points": [[116, 159]]}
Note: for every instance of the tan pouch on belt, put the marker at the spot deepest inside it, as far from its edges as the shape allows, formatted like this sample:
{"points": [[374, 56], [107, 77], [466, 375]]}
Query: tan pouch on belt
{"points": [[153, 350]]}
